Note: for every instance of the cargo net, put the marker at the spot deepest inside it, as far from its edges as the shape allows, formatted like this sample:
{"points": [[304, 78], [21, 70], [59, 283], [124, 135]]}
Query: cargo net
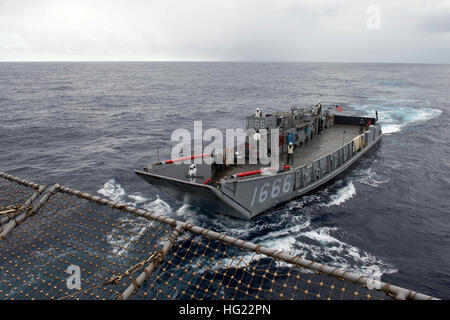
{"points": [[16, 196], [72, 245], [68, 231], [199, 268]]}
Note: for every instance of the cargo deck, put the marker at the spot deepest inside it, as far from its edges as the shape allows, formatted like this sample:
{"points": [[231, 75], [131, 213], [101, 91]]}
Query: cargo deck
{"points": [[321, 145]]}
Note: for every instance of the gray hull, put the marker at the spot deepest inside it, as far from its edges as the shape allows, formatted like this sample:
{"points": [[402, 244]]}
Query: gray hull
{"points": [[247, 198], [197, 195]]}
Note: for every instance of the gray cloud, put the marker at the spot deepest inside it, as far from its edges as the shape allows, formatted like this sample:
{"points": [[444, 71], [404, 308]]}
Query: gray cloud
{"points": [[255, 30], [438, 22]]}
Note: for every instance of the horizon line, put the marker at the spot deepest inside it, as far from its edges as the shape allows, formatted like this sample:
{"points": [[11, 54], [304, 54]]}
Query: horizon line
{"points": [[223, 61]]}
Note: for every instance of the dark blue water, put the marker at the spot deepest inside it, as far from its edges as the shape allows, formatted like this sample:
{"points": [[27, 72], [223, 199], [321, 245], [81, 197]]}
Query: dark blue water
{"points": [[89, 125]]}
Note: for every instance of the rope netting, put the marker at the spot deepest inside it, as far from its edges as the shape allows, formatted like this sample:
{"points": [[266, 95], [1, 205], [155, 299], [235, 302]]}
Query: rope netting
{"points": [[103, 242], [16, 197], [199, 268], [117, 251], [13, 196]]}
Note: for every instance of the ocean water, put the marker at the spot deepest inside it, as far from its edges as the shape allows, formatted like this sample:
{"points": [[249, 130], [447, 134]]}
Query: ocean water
{"points": [[89, 125]]}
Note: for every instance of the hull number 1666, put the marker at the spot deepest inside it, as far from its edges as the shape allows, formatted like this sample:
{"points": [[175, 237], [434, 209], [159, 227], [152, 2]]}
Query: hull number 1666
{"points": [[272, 190]]}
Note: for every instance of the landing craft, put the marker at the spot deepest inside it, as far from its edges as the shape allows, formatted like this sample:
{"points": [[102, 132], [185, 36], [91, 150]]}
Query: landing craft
{"points": [[326, 143]]}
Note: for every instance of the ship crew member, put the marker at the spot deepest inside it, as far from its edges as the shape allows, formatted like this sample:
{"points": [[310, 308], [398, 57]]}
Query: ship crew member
{"points": [[361, 126], [321, 123], [290, 157], [258, 113]]}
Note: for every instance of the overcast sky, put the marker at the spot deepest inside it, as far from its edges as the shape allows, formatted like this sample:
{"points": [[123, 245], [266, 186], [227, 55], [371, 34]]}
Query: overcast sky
{"points": [[225, 30]]}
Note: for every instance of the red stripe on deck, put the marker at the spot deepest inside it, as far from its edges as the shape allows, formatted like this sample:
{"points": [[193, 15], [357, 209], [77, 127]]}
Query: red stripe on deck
{"points": [[251, 173], [206, 181], [187, 158]]}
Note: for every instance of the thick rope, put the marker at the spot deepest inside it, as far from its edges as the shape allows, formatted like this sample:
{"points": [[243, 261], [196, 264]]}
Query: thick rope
{"points": [[157, 256], [13, 208]]}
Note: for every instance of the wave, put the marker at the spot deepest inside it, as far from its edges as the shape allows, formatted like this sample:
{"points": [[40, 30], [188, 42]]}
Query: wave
{"points": [[394, 83], [291, 230], [316, 244], [322, 245], [345, 193], [394, 116], [370, 177], [115, 192], [112, 190], [122, 242], [288, 229], [158, 206]]}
